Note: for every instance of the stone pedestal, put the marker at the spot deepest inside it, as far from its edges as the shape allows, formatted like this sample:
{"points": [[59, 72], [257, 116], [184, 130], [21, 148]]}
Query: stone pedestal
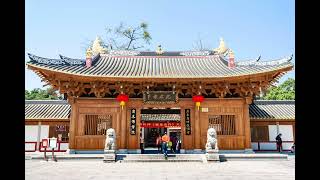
{"points": [[212, 155], [109, 156]]}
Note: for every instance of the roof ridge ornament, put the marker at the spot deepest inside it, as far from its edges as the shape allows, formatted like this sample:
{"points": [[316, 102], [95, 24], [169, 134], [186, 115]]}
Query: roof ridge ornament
{"points": [[222, 49], [258, 59], [71, 60], [159, 50], [89, 53], [248, 62], [97, 47], [286, 59], [42, 60]]}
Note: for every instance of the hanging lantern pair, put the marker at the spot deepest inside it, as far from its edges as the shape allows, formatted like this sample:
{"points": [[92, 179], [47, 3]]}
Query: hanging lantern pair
{"points": [[198, 99], [122, 98]]}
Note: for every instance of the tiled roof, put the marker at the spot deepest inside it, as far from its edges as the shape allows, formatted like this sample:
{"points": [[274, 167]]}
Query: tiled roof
{"points": [[169, 65], [272, 109], [47, 109]]}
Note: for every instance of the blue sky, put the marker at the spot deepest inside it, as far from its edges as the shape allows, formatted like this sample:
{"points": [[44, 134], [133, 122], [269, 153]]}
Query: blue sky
{"points": [[250, 28]]}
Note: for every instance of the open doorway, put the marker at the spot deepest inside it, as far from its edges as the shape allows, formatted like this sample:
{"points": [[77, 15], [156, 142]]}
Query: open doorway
{"points": [[155, 122]]}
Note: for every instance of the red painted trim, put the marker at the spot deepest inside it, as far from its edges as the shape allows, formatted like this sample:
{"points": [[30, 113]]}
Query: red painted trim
{"points": [[48, 150]]}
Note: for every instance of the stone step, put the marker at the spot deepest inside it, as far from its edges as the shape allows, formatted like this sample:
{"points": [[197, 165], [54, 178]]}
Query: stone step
{"points": [[161, 156], [159, 160]]}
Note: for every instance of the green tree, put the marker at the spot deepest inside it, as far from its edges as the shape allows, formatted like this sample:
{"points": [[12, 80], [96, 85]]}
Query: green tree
{"points": [[40, 94], [124, 37], [285, 91]]}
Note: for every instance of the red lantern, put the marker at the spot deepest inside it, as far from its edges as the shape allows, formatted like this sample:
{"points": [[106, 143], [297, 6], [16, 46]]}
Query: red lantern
{"points": [[122, 98], [198, 99]]}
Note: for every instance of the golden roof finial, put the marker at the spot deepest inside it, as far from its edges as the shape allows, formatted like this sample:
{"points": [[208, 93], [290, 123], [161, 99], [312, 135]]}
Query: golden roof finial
{"points": [[89, 53], [159, 50], [97, 46], [222, 49]]}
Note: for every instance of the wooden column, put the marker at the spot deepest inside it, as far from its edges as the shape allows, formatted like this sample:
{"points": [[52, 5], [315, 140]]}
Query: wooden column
{"points": [[117, 128], [246, 123], [123, 128], [73, 122], [197, 133], [39, 136]]}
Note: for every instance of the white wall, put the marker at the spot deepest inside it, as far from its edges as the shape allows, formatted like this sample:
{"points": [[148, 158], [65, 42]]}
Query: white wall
{"points": [[29, 146], [44, 132], [272, 132], [31, 133], [64, 146], [285, 130]]}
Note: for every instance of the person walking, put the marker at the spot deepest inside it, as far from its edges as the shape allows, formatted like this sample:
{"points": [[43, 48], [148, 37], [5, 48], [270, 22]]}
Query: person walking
{"points": [[279, 142], [159, 143], [165, 139]]}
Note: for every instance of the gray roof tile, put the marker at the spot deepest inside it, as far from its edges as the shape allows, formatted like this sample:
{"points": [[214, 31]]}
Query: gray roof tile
{"points": [[272, 109], [212, 66], [47, 109]]}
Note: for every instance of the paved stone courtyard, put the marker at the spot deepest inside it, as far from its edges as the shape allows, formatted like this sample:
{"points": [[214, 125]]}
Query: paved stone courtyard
{"points": [[96, 169]]}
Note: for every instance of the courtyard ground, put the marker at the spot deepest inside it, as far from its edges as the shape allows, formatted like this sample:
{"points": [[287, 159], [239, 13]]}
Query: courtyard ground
{"points": [[96, 169]]}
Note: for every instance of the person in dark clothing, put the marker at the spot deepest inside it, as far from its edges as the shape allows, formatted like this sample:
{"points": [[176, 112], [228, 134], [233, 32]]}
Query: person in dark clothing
{"points": [[159, 143], [174, 144], [141, 144], [279, 142]]}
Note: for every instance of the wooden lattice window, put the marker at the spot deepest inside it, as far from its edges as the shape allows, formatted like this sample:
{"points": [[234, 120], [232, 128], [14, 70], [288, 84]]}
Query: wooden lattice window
{"points": [[97, 124], [259, 133], [223, 124]]}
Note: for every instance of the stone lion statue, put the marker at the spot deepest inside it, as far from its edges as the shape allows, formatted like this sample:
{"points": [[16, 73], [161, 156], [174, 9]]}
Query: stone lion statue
{"points": [[212, 142], [110, 143]]}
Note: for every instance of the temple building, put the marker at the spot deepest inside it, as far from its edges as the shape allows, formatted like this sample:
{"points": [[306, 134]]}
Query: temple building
{"points": [[143, 93]]}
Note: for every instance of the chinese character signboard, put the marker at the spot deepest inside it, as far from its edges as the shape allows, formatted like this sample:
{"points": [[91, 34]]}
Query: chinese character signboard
{"points": [[133, 118], [188, 123], [160, 124], [60, 128], [160, 97]]}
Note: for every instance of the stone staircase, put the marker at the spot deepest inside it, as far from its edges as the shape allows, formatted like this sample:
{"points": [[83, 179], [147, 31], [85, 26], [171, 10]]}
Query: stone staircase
{"points": [[127, 158]]}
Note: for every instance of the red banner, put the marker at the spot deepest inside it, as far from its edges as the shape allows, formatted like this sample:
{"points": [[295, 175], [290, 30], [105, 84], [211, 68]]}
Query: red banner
{"points": [[160, 124]]}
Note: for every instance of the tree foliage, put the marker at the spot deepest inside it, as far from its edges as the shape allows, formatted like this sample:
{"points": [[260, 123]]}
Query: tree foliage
{"points": [[125, 37], [285, 91], [40, 94]]}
